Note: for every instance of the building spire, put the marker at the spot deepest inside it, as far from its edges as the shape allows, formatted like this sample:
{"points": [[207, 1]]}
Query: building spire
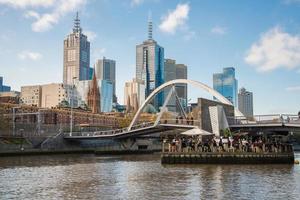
{"points": [[77, 28], [150, 26]]}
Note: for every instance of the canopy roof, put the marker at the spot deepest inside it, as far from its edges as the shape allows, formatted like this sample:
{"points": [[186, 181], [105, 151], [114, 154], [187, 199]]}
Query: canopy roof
{"points": [[196, 131]]}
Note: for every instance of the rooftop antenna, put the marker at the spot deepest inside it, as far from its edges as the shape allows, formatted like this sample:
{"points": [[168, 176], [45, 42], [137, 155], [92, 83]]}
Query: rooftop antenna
{"points": [[150, 26], [77, 28]]}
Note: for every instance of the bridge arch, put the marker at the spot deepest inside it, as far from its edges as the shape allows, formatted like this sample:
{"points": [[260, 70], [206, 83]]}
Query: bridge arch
{"points": [[197, 84]]}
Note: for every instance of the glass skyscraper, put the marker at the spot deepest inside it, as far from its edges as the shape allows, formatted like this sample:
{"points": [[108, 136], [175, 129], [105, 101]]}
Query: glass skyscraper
{"points": [[105, 69], [106, 95], [176, 71], [226, 84], [3, 88], [150, 66], [245, 102], [76, 55]]}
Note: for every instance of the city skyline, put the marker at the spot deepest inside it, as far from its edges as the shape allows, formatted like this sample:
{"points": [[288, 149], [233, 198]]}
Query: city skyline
{"points": [[171, 33]]}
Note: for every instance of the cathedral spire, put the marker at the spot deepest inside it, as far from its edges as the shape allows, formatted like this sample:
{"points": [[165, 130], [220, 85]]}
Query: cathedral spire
{"points": [[94, 96], [150, 26], [77, 28]]}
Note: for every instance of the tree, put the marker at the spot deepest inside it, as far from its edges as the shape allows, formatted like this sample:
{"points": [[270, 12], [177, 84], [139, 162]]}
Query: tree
{"points": [[64, 104], [227, 132]]}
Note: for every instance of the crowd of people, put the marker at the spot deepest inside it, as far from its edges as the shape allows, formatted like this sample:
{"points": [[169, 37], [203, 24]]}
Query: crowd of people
{"points": [[225, 144]]}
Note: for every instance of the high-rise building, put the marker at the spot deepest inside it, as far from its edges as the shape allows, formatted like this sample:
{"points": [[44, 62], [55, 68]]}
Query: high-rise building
{"points": [[176, 71], [245, 104], [76, 55], [134, 94], [150, 65], [106, 88], [226, 84], [105, 69], [3, 88], [170, 74], [181, 88]]}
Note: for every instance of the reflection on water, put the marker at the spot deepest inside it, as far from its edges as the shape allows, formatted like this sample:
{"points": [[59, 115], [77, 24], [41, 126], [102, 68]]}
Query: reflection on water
{"points": [[141, 177]]}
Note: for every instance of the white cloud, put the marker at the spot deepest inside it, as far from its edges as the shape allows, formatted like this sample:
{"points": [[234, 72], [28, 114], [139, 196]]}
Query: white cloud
{"points": [[175, 19], [218, 30], [90, 34], [33, 14], [275, 49], [136, 2], [30, 55], [293, 88], [27, 3], [46, 21], [55, 10]]}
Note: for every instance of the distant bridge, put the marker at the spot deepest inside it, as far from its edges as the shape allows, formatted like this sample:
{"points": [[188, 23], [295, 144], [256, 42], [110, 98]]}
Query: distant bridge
{"points": [[266, 122], [237, 123]]}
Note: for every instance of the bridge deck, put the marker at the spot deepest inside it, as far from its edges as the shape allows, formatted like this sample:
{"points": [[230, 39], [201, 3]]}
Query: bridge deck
{"points": [[140, 131]]}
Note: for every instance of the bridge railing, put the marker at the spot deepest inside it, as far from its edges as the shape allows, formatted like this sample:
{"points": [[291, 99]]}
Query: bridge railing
{"points": [[265, 119], [179, 121], [112, 132]]}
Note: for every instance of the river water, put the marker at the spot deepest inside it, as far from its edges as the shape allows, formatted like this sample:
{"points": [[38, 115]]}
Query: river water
{"points": [[141, 177]]}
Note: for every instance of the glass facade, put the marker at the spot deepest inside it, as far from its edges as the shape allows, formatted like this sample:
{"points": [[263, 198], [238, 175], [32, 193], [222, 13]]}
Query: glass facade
{"points": [[150, 68], [105, 69], [106, 95], [91, 72], [3, 88], [245, 102], [76, 55], [226, 84]]}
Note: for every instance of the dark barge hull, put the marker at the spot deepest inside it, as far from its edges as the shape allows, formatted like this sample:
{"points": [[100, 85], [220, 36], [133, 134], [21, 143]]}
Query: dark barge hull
{"points": [[227, 158]]}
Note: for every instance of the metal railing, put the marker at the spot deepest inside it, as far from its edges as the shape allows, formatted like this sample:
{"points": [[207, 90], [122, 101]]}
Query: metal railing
{"points": [[141, 126], [113, 132], [265, 119]]}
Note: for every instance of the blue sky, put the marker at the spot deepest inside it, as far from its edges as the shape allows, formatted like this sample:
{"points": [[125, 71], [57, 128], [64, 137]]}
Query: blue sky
{"points": [[261, 39]]}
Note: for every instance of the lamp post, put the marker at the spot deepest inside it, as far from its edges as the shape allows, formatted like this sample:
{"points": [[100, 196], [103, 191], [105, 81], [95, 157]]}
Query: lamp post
{"points": [[71, 102], [14, 119]]}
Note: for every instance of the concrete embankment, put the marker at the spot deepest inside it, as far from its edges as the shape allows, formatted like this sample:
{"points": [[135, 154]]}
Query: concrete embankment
{"points": [[227, 158], [57, 145]]}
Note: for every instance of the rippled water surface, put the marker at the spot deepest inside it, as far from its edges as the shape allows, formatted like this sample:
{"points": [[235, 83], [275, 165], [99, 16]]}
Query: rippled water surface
{"points": [[141, 177]]}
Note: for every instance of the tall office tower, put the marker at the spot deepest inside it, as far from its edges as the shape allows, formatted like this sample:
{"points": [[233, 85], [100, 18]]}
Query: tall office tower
{"points": [[226, 84], [3, 88], [245, 102], [181, 88], [134, 94], [106, 88], [76, 55], [176, 71], [106, 70], [170, 74], [150, 65]]}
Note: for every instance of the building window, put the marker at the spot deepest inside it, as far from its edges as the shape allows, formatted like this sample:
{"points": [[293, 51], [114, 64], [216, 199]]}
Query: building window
{"points": [[71, 55]]}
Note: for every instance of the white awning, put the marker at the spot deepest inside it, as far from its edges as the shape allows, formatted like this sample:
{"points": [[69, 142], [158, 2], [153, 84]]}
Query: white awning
{"points": [[196, 131]]}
